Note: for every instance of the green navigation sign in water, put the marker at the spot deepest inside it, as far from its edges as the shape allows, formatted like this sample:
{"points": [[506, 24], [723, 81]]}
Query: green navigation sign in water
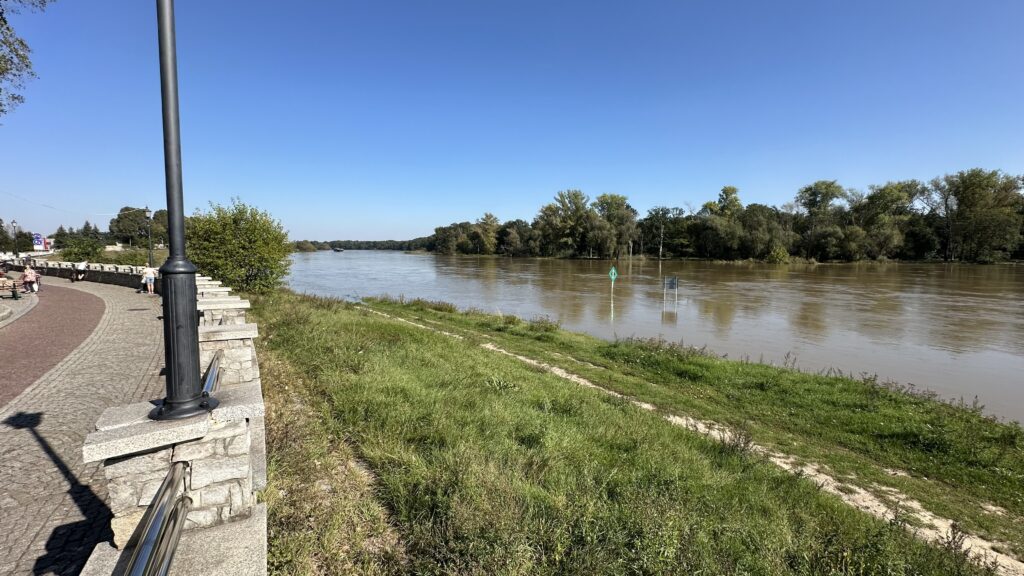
{"points": [[613, 273]]}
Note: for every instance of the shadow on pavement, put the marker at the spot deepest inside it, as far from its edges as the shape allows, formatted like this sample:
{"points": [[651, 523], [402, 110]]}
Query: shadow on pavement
{"points": [[69, 545]]}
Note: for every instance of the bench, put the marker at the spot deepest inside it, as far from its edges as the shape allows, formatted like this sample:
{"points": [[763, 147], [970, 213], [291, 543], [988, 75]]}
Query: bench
{"points": [[11, 288]]}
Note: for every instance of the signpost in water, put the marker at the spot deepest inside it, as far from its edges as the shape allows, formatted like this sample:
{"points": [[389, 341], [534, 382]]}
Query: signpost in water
{"points": [[613, 274]]}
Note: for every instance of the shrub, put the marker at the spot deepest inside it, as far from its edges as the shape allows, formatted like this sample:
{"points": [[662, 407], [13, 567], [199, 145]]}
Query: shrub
{"points": [[78, 249], [240, 245], [778, 255]]}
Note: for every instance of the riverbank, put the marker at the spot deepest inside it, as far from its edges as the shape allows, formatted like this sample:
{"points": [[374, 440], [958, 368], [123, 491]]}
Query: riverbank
{"points": [[472, 443]]}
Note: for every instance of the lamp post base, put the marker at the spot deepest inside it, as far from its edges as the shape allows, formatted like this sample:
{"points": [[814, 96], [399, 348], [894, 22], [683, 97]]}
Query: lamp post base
{"points": [[180, 410]]}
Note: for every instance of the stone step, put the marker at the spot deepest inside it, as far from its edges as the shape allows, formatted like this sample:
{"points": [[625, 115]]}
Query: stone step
{"points": [[221, 304], [216, 333], [233, 549], [217, 296]]}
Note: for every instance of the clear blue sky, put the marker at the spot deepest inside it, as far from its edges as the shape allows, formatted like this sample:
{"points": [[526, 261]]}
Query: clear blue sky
{"points": [[381, 119]]}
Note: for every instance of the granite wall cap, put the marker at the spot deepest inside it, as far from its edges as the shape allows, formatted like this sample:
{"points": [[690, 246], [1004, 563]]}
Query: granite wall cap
{"points": [[118, 416], [242, 402], [218, 332], [221, 304], [142, 436]]}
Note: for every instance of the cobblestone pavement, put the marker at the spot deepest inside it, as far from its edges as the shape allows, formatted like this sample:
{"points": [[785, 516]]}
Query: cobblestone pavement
{"points": [[52, 506], [36, 342]]}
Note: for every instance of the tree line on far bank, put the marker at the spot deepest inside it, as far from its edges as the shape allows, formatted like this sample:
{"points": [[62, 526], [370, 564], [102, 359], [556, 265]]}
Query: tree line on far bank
{"points": [[974, 215]]}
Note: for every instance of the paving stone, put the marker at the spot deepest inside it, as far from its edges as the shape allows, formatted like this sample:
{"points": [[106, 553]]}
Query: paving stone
{"points": [[52, 507]]}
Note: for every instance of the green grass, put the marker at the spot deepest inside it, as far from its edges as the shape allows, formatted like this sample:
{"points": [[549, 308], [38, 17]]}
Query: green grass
{"points": [[958, 459], [487, 466]]}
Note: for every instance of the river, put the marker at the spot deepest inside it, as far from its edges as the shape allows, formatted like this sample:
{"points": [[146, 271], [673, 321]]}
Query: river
{"points": [[955, 329]]}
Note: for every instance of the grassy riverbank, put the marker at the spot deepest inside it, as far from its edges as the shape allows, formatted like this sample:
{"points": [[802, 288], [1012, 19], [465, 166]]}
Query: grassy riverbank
{"points": [[476, 462]]}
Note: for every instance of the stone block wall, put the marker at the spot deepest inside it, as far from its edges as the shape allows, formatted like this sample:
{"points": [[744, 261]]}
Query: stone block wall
{"points": [[225, 450], [219, 479], [116, 274], [222, 316]]}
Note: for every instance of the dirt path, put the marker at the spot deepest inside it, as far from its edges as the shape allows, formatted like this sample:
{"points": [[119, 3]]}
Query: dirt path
{"points": [[933, 528]]}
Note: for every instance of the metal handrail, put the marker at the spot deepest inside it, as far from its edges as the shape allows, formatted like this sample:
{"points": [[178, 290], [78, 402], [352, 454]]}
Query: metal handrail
{"points": [[168, 541], [212, 379], [160, 527]]}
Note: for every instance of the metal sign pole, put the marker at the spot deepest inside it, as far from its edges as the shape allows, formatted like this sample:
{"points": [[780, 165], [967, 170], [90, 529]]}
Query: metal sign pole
{"points": [[178, 275]]}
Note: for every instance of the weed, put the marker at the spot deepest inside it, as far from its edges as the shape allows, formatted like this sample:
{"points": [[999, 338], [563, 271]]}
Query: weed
{"points": [[740, 440], [500, 385], [543, 324]]}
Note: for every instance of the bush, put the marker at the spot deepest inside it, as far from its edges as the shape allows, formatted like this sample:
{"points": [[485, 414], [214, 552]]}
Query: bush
{"points": [[240, 245], [303, 246], [778, 255], [78, 249]]}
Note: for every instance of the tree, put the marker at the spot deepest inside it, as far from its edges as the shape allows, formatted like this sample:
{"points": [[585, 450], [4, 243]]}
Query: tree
{"points": [[729, 205], [763, 233], [484, 234], [77, 249], [15, 63], [60, 237], [884, 215], [160, 227], [652, 227], [822, 233], [6, 242], [599, 239], [615, 210], [515, 238], [23, 241], [981, 211], [130, 226], [563, 224], [240, 245], [303, 246]]}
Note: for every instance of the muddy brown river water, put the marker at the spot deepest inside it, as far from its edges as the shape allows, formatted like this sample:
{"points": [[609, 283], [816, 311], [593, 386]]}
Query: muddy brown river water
{"points": [[955, 329]]}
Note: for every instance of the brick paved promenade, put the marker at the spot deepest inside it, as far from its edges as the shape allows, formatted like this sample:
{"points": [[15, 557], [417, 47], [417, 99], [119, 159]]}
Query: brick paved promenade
{"points": [[52, 509]]}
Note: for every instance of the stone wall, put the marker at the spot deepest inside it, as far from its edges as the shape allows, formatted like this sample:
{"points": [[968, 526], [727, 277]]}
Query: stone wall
{"points": [[116, 274], [224, 449]]}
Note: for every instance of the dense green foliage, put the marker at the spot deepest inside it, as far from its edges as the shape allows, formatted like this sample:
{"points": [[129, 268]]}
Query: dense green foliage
{"points": [[15, 62], [305, 246], [405, 245], [80, 248], [240, 245], [489, 466], [975, 215], [131, 227], [12, 240]]}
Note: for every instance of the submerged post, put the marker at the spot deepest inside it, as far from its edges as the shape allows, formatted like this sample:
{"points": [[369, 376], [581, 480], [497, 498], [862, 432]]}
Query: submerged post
{"points": [[178, 275]]}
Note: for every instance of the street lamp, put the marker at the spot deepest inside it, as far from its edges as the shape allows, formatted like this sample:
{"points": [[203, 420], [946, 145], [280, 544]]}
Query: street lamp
{"points": [[149, 231], [177, 276], [14, 235]]}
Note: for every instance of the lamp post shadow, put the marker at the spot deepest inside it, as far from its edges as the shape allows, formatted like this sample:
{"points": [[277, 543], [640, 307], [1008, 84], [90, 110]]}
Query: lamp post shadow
{"points": [[69, 545]]}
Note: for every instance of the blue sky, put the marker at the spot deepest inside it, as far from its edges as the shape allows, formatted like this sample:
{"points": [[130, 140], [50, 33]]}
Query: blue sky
{"points": [[382, 119]]}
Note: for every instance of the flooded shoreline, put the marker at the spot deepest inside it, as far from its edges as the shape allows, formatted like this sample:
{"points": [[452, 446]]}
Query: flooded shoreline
{"points": [[954, 329]]}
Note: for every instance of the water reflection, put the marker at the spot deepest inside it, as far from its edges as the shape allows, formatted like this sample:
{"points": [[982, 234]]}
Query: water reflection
{"points": [[957, 329]]}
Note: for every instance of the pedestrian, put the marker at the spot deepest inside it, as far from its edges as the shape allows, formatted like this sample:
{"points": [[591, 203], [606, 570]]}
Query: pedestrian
{"points": [[149, 277], [79, 273], [29, 280]]}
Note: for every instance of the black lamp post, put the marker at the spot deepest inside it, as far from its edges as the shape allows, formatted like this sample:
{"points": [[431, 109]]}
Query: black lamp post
{"points": [[149, 232], [177, 275], [14, 234]]}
